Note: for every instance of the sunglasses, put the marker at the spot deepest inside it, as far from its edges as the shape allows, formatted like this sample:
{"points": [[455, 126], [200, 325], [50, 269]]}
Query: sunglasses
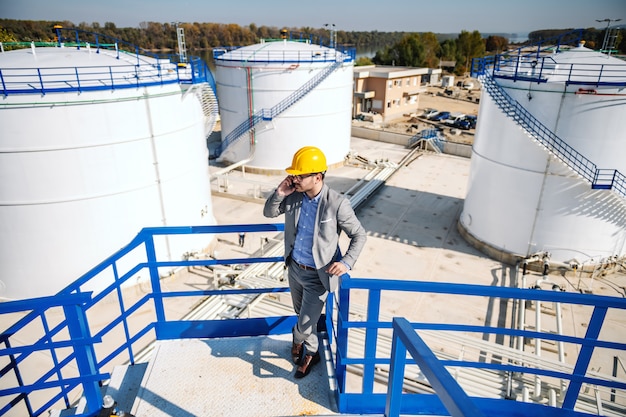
{"points": [[301, 177]]}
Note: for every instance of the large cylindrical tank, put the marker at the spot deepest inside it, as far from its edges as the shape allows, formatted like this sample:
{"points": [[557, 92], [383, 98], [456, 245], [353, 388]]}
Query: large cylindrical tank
{"points": [[522, 199], [87, 161], [304, 92]]}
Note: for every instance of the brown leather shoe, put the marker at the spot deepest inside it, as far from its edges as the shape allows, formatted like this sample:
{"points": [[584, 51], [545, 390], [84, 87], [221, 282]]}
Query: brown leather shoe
{"points": [[307, 364], [296, 352]]}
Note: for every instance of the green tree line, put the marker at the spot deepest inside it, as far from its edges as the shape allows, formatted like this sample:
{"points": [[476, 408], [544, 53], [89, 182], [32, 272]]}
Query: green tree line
{"points": [[394, 48], [198, 36]]}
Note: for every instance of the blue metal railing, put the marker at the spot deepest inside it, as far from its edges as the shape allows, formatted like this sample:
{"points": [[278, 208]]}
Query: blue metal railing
{"points": [[456, 401], [268, 114], [275, 56], [306, 56], [91, 358], [368, 401], [70, 334], [604, 179], [111, 275], [534, 63], [137, 68], [433, 135], [528, 63], [537, 70]]}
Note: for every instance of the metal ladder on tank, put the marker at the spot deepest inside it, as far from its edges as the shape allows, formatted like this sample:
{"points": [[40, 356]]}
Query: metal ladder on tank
{"points": [[208, 101], [268, 114], [182, 48], [600, 179]]}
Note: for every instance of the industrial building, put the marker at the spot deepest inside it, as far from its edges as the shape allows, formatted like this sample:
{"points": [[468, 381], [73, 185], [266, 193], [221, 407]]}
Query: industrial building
{"points": [[390, 92]]}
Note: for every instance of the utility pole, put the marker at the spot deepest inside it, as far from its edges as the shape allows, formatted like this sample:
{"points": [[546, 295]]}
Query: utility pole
{"points": [[609, 36]]}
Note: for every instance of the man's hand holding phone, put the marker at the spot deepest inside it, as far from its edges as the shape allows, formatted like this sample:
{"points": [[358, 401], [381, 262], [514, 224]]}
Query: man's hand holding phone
{"points": [[287, 186]]}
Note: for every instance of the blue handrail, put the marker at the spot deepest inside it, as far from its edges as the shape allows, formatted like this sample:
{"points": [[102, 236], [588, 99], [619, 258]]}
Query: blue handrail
{"points": [[368, 401], [93, 360], [72, 333], [604, 179], [456, 401], [308, 38], [532, 63], [138, 68], [529, 63], [433, 135], [269, 114]]}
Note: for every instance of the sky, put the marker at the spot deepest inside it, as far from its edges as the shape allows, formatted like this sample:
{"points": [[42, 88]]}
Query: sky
{"points": [[450, 16]]}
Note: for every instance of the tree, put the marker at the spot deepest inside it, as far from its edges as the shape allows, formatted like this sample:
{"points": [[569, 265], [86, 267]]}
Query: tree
{"points": [[496, 44], [385, 56], [448, 50], [411, 51], [362, 61], [469, 45], [5, 36], [432, 50]]}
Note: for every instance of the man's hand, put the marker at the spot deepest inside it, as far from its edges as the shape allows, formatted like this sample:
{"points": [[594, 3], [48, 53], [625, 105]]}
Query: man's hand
{"points": [[337, 268], [286, 186]]}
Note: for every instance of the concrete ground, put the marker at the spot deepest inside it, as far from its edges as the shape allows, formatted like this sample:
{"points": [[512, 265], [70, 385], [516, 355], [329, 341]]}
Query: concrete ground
{"points": [[412, 235]]}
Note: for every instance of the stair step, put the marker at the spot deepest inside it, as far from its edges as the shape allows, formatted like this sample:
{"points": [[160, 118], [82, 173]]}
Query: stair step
{"points": [[125, 383]]}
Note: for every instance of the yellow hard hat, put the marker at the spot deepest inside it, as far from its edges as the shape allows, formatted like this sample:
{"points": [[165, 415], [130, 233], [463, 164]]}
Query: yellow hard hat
{"points": [[307, 160]]}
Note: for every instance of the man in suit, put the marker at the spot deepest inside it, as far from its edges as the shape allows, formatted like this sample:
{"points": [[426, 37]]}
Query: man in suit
{"points": [[315, 216]]}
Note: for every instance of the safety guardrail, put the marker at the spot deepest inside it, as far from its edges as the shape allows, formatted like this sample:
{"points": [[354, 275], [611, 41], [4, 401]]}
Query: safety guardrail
{"points": [[269, 114], [432, 136], [57, 337], [137, 68], [601, 179], [282, 57], [537, 70], [306, 55], [138, 322], [59, 383], [405, 339], [371, 360], [535, 62]]}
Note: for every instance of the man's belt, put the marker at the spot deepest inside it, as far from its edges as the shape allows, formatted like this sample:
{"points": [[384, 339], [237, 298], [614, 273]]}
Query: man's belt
{"points": [[305, 267]]}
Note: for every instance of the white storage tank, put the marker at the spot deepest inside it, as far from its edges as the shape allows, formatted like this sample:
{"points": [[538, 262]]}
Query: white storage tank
{"points": [[94, 146], [301, 94], [526, 197]]}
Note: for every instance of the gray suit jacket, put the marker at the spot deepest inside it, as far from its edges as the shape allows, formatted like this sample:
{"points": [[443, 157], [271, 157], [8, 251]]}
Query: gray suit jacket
{"points": [[334, 214]]}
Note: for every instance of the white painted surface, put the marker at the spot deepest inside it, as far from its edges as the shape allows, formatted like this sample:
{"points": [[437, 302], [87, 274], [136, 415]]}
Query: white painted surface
{"points": [[523, 200], [83, 173], [273, 71]]}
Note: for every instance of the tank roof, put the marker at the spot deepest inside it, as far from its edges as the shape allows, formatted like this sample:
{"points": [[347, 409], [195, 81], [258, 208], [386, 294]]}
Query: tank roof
{"points": [[584, 55], [283, 45], [281, 51], [42, 70], [49, 57]]}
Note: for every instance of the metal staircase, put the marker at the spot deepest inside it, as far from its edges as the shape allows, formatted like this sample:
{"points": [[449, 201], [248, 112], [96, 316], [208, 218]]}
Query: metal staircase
{"points": [[210, 108], [600, 179], [268, 114], [427, 139]]}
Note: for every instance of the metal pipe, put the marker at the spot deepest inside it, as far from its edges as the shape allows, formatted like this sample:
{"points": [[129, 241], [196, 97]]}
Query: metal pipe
{"points": [[157, 172], [559, 330], [522, 311], [537, 391]]}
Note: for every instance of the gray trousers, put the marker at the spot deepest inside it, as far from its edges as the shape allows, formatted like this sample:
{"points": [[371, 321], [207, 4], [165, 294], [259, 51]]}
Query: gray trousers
{"points": [[308, 296]]}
